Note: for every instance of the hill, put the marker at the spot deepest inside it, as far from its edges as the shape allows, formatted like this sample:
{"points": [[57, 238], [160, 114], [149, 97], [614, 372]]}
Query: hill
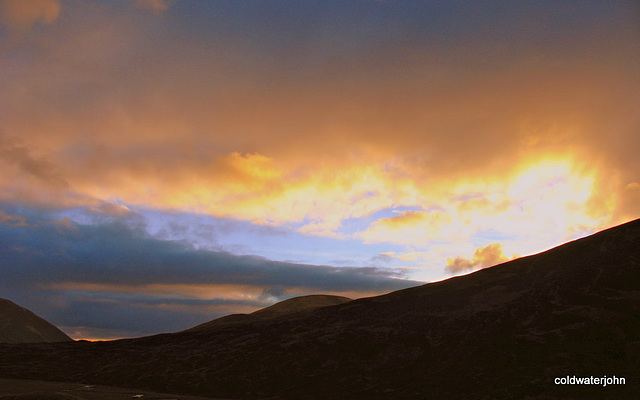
{"points": [[286, 307], [503, 332], [19, 325]]}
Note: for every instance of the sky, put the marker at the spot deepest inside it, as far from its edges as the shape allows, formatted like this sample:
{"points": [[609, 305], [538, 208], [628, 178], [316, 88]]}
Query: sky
{"points": [[167, 162]]}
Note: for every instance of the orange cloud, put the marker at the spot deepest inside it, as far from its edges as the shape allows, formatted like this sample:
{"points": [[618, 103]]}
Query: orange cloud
{"points": [[409, 227], [18, 16], [483, 257]]}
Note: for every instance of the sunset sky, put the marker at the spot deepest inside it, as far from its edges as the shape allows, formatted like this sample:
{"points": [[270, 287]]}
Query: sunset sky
{"points": [[167, 162]]}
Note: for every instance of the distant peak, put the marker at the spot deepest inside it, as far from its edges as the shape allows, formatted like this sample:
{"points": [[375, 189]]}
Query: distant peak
{"points": [[19, 325], [289, 306], [302, 303]]}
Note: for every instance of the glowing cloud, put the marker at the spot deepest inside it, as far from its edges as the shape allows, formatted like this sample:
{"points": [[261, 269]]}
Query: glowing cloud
{"points": [[483, 257], [409, 227]]}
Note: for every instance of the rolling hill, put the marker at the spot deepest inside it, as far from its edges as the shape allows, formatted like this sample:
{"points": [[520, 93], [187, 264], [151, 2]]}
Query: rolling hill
{"points": [[503, 332], [286, 307]]}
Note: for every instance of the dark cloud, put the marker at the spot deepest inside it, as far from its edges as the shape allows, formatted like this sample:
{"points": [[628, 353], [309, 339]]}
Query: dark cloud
{"points": [[277, 292], [113, 253], [107, 275]]}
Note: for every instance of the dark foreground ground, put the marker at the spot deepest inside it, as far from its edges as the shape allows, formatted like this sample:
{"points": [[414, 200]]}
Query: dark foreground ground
{"points": [[16, 389]]}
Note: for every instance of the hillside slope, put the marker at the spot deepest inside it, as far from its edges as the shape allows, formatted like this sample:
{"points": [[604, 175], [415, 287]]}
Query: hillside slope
{"points": [[19, 325]]}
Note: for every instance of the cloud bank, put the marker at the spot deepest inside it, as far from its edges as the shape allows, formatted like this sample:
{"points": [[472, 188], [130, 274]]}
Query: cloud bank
{"points": [[280, 125], [113, 274]]}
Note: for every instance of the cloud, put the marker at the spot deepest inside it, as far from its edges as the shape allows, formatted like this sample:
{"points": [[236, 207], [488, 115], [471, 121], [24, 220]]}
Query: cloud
{"points": [[113, 265], [381, 259], [483, 257], [20, 162], [161, 111], [408, 227], [629, 200], [11, 220], [19, 16], [112, 210], [310, 145], [156, 7]]}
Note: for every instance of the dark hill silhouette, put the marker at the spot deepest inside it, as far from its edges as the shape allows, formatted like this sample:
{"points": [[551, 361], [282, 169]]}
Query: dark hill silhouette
{"points": [[19, 325], [502, 332], [285, 307]]}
